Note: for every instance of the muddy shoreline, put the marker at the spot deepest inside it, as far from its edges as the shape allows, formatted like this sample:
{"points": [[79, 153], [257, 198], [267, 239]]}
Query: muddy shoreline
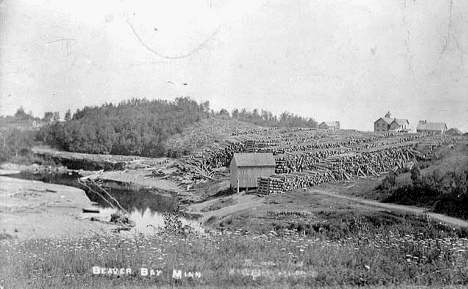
{"points": [[34, 209], [21, 220]]}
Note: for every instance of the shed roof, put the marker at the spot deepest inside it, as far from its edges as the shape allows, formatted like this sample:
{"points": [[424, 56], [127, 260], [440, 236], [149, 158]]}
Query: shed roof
{"points": [[401, 121], [432, 126], [454, 131], [254, 160]]}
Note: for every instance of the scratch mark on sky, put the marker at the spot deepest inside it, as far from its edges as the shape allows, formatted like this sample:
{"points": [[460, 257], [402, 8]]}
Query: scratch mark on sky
{"points": [[407, 40], [61, 39], [449, 29], [172, 56]]}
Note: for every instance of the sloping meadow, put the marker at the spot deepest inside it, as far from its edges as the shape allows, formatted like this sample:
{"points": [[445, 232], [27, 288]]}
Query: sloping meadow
{"points": [[391, 256]]}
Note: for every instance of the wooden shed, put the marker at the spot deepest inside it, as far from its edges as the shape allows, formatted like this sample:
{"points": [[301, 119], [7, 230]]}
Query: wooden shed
{"points": [[246, 168]]}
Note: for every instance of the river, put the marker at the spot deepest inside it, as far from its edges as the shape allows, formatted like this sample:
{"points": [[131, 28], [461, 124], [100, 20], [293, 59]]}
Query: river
{"points": [[145, 206]]}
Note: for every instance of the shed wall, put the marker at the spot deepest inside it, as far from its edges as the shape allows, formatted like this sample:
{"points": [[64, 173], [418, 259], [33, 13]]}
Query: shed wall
{"points": [[248, 176], [234, 174], [431, 131]]}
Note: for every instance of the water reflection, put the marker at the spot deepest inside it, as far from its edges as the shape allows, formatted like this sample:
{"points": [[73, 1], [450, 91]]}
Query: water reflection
{"points": [[146, 221], [145, 206], [135, 199]]}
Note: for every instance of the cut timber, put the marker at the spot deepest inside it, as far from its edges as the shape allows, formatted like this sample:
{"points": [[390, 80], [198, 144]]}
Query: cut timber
{"points": [[91, 210]]}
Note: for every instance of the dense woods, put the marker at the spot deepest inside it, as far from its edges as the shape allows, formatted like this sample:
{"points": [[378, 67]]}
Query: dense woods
{"points": [[133, 127]]}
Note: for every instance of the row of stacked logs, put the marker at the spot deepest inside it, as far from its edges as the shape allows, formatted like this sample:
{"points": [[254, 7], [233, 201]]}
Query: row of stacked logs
{"points": [[253, 131], [323, 156], [365, 142], [340, 168], [222, 157], [212, 159]]}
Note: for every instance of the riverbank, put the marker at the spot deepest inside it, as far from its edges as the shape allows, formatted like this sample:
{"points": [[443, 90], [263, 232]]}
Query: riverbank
{"points": [[33, 209]]}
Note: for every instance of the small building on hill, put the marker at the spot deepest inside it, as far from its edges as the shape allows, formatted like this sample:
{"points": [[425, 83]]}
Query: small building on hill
{"points": [[400, 125], [333, 125], [431, 127], [383, 123], [246, 168], [388, 123], [453, 131]]}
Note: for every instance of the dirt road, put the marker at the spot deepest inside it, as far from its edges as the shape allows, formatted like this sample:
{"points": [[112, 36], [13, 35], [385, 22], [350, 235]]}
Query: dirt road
{"points": [[394, 207]]}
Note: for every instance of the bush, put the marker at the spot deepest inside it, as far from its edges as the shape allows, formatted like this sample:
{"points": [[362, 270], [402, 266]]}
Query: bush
{"points": [[173, 224], [389, 182], [15, 143], [445, 193]]}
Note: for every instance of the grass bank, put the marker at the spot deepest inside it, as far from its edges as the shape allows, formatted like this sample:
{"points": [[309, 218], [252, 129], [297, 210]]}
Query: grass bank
{"points": [[362, 255]]}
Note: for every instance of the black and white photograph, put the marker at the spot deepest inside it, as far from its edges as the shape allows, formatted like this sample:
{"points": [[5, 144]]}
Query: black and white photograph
{"points": [[233, 144]]}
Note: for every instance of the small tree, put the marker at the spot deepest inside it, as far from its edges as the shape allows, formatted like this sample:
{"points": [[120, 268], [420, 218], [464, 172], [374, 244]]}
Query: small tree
{"points": [[235, 113], [68, 115], [224, 113], [56, 116], [389, 182], [416, 176], [48, 116], [21, 114]]}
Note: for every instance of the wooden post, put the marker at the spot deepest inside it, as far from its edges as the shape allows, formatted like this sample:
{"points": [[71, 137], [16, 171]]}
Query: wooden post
{"points": [[237, 185]]}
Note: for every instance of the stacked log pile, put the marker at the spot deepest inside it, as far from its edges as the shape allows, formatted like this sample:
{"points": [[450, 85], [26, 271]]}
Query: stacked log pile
{"points": [[215, 158], [339, 168], [268, 185], [280, 167], [249, 146], [205, 133], [320, 156], [253, 131]]}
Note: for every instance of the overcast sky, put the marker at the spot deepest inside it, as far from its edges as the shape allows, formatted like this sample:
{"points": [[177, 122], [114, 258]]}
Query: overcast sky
{"points": [[346, 60]]}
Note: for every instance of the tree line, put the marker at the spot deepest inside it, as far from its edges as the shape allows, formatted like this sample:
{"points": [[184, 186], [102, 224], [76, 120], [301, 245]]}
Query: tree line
{"points": [[266, 118], [133, 127]]}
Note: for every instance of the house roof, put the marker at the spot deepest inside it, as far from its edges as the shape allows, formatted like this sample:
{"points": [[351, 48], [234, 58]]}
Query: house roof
{"points": [[386, 119], [432, 126], [331, 123], [401, 121], [254, 160], [454, 131]]}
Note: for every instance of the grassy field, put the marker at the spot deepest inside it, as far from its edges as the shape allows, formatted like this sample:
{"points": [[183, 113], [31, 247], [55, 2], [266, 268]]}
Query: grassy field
{"points": [[355, 253]]}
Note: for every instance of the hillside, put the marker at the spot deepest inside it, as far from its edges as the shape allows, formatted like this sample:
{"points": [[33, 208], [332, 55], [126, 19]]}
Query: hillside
{"points": [[155, 128], [211, 132], [135, 127]]}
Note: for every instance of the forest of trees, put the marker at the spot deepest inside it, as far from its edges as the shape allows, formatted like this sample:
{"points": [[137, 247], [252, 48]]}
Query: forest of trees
{"points": [[134, 127], [266, 118]]}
